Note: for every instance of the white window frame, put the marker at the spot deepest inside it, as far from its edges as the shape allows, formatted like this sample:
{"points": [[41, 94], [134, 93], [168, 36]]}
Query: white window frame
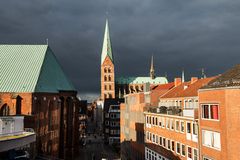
{"points": [[209, 112]]}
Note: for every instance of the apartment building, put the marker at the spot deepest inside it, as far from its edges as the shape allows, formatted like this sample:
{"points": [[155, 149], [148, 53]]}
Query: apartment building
{"points": [[132, 119], [220, 117], [111, 123], [171, 129]]}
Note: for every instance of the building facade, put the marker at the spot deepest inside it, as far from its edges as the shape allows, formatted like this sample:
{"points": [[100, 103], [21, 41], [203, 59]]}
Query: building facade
{"points": [[132, 120], [219, 117], [111, 123]]}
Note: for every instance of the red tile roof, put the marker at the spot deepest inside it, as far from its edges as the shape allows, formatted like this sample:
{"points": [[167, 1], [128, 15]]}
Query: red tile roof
{"points": [[163, 86], [187, 89]]}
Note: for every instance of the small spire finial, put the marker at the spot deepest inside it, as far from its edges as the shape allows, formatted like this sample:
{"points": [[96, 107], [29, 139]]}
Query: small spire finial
{"points": [[152, 73], [183, 76], [203, 73]]}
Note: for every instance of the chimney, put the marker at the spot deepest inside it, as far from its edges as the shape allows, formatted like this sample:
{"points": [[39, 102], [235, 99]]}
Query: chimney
{"points": [[177, 82], [193, 79]]}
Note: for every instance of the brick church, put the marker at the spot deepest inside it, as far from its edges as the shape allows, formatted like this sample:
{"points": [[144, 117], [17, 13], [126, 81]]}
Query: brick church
{"points": [[113, 87], [34, 85]]}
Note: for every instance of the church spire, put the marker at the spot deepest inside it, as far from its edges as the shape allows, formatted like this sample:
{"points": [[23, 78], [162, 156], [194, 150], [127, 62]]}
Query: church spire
{"points": [[152, 73], [106, 49]]}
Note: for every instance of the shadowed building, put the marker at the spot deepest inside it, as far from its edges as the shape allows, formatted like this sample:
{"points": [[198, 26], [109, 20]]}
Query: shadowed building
{"points": [[34, 85]]}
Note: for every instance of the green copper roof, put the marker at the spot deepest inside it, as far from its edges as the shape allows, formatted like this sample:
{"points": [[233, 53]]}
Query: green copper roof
{"points": [[141, 80], [106, 49], [31, 68]]}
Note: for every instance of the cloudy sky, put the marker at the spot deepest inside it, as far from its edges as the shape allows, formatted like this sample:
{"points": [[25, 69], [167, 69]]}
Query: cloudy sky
{"points": [[189, 34]]}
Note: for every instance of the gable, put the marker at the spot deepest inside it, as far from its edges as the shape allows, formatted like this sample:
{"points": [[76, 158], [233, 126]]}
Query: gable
{"points": [[52, 77]]}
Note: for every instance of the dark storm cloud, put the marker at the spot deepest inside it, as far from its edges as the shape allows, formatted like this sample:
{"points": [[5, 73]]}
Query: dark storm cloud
{"points": [[190, 34]]}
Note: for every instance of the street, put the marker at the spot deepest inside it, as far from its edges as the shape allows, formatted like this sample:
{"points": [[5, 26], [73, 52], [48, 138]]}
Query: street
{"points": [[94, 147]]}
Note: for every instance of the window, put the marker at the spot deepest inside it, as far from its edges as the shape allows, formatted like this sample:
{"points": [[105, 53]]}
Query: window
{"points": [[160, 122], [147, 135], [168, 144], [153, 122], [105, 70], [153, 139], [182, 126], [167, 123], [146, 119], [164, 142], [105, 78], [210, 111], [109, 78], [150, 135], [211, 139], [178, 148], [163, 122], [195, 129], [110, 87], [173, 146], [189, 152], [195, 154], [150, 119], [177, 126], [156, 138], [183, 150], [109, 70], [188, 127], [160, 141], [156, 121], [172, 124]]}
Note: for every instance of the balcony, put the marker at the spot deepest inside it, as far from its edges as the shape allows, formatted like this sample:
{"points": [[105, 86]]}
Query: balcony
{"points": [[12, 134], [190, 112]]}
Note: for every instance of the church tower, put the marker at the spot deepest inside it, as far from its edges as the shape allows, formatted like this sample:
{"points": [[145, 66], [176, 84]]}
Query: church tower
{"points": [[107, 67]]}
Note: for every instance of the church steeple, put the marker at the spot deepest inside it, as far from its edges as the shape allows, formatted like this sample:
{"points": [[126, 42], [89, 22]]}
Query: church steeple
{"points": [[106, 49], [107, 67], [152, 73]]}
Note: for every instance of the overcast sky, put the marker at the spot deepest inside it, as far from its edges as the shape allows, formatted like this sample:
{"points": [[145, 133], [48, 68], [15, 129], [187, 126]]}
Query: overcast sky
{"points": [[189, 34]]}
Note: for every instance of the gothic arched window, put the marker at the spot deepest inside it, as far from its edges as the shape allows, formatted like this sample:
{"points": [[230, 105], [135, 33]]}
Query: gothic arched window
{"points": [[109, 78], [105, 78], [4, 111]]}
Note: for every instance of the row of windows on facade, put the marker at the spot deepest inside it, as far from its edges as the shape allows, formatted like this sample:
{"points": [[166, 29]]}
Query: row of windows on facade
{"points": [[107, 70], [112, 124], [108, 95], [112, 115], [151, 155], [188, 103], [174, 146], [172, 124], [108, 87], [113, 131], [107, 78]]}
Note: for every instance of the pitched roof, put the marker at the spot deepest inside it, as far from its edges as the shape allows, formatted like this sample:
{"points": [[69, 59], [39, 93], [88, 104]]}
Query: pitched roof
{"points": [[106, 49], [164, 86], [31, 68], [141, 80], [188, 89], [228, 79]]}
